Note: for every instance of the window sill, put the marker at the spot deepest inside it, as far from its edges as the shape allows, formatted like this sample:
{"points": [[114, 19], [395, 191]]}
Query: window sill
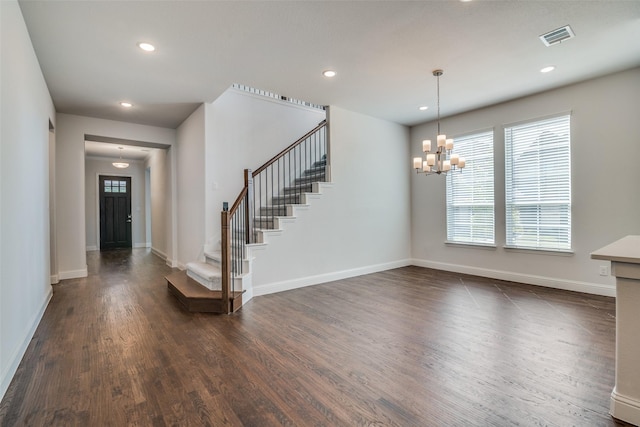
{"points": [[470, 245], [558, 252]]}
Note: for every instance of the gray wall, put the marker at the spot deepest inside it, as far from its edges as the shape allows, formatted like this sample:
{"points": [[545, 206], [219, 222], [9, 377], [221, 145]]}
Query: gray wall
{"points": [[100, 166], [605, 178], [70, 180], [25, 111], [360, 224]]}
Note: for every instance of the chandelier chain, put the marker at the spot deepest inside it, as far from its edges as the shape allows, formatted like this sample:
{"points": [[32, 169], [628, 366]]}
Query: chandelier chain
{"points": [[438, 96]]}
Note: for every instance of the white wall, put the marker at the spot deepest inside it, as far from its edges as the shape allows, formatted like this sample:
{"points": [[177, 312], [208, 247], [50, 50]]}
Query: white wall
{"points": [[360, 224], [245, 131], [25, 111], [70, 180], [605, 177], [95, 166], [159, 164], [190, 162]]}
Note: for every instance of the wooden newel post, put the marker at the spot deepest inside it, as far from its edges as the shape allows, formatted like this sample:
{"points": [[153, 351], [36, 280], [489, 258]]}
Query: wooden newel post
{"points": [[249, 207], [225, 246]]}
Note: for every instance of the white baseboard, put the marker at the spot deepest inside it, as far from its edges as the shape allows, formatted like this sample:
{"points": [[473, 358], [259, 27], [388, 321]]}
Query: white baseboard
{"points": [[72, 274], [180, 265], [247, 296], [92, 248], [549, 282], [625, 408], [172, 263], [54, 279], [158, 253], [18, 353], [287, 285]]}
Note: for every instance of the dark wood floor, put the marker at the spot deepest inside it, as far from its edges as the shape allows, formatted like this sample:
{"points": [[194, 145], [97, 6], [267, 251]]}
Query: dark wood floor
{"points": [[406, 347]]}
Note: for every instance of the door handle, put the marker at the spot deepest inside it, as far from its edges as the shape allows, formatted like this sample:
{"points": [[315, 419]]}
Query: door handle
{"points": [[129, 218]]}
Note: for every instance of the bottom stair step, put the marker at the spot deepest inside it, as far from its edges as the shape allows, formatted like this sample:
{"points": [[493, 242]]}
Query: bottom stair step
{"points": [[198, 299]]}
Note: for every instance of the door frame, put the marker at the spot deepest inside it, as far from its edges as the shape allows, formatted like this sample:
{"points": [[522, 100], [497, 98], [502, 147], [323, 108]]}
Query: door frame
{"points": [[123, 175]]}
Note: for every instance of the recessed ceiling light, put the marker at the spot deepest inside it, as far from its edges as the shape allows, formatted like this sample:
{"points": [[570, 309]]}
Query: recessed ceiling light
{"points": [[547, 69], [423, 108], [147, 47], [329, 73], [126, 104]]}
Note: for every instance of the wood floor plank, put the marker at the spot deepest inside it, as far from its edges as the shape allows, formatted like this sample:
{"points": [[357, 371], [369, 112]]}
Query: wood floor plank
{"points": [[404, 347]]}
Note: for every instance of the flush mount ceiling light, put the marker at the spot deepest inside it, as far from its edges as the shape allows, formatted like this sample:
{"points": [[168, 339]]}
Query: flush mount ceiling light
{"points": [[147, 47], [442, 159], [423, 108], [120, 164], [126, 104], [547, 69], [329, 73]]}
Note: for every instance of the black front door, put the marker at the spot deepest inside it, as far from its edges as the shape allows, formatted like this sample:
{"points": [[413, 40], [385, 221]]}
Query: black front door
{"points": [[115, 212]]}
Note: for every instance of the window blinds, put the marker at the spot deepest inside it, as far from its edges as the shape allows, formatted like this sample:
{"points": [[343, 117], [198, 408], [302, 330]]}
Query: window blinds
{"points": [[538, 184], [470, 198]]}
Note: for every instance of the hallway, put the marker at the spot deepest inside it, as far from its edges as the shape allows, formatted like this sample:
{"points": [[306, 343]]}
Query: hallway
{"points": [[404, 347]]}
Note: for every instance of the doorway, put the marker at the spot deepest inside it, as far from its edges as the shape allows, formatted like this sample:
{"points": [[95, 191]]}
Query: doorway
{"points": [[115, 212]]}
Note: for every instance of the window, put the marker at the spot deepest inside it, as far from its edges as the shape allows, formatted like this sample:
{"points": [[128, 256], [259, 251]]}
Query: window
{"points": [[115, 186], [538, 184], [470, 203]]}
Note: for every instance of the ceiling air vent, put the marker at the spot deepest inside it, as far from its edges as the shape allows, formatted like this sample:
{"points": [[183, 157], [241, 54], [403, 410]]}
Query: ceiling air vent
{"points": [[558, 35]]}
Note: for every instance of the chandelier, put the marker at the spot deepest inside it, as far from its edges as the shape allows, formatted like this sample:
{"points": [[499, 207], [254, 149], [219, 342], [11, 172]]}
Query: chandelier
{"points": [[441, 160]]}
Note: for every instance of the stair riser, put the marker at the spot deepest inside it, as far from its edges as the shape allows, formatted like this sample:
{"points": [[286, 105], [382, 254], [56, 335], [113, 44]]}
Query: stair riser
{"points": [[306, 188], [273, 211], [310, 179], [214, 261], [315, 170], [268, 224], [291, 199]]}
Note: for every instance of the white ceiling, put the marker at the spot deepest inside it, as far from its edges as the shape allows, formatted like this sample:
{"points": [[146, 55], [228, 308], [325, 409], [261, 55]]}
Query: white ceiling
{"points": [[383, 51]]}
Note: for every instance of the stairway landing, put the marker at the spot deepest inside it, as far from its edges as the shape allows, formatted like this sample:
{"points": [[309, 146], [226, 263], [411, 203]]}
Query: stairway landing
{"points": [[198, 299]]}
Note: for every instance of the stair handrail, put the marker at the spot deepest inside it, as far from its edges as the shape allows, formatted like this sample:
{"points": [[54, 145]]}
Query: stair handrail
{"points": [[291, 147], [243, 207]]}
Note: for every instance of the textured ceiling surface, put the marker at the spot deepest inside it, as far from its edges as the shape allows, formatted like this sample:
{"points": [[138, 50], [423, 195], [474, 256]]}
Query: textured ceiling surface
{"points": [[383, 51]]}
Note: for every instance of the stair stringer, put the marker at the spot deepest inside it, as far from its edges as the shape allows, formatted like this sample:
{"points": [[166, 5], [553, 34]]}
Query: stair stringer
{"points": [[282, 239]]}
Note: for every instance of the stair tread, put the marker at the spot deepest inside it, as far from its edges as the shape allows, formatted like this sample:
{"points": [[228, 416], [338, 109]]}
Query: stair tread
{"points": [[205, 270]]}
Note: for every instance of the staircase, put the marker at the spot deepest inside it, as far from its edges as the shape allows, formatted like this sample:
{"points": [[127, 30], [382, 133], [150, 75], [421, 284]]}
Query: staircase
{"points": [[261, 207]]}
